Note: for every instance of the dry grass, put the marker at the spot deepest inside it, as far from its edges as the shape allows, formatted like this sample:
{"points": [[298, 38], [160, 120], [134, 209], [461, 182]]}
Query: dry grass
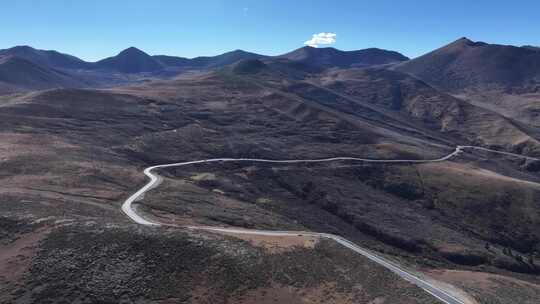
{"points": [[15, 257], [325, 293], [490, 288], [277, 244]]}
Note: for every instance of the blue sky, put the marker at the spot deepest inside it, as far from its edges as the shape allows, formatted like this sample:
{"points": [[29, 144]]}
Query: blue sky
{"points": [[96, 29]]}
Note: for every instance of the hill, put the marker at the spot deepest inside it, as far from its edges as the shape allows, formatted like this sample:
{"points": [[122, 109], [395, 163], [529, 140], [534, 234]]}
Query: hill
{"points": [[130, 60], [19, 73], [224, 59], [464, 64], [172, 61], [331, 57], [500, 78], [51, 59]]}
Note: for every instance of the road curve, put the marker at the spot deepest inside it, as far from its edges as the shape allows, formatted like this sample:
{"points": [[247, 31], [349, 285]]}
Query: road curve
{"points": [[437, 292], [127, 206]]}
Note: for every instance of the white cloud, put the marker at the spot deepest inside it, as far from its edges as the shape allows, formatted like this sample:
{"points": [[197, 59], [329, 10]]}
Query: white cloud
{"points": [[321, 38]]}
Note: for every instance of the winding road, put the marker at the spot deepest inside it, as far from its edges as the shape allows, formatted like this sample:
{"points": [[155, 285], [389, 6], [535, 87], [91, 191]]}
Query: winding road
{"points": [[436, 291]]}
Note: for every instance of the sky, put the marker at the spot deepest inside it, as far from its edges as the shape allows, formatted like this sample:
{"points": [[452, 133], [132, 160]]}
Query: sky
{"points": [[96, 29]]}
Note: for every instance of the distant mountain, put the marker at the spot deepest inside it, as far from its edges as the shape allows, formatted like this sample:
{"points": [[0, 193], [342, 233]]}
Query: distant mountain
{"points": [[272, 68], [249, 66], [464, 64], [21, 73], [224, 59], [131, 60], [172, 61], [331, 57], [207, 62], [532, 47], [52, 59]]}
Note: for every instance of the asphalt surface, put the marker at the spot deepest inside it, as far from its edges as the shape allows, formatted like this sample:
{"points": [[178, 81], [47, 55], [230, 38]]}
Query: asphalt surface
{"points": [[127, 207], [437, 292]]}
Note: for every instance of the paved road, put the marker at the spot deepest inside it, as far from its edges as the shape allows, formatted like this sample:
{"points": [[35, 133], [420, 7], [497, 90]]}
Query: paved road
{"points": [[498, 152], [437, 292], [127, 207]]}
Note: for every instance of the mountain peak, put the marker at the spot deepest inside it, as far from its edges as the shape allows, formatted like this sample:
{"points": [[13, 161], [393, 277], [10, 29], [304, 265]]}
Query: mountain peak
{"points": [[466, 42], [23, 48], [465, 64], [131, 60], [237, 52], [133, 51], [317, 49]]}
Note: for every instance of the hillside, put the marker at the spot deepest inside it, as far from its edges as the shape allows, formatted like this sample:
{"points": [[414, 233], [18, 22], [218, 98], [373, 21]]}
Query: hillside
{"points": [[52, 59], [407, 95], [21, 74], [224, 59], [331, 57], [465, 64], [130, 60], [500, 78], [172, 61]]}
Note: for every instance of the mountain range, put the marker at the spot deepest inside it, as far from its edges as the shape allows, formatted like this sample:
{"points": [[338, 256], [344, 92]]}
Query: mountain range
{"points": [[458, 66], [78, 73], [76, 136]]}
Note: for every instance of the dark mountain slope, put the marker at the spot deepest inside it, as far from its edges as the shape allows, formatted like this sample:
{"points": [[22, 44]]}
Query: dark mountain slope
{"points": [[464, 64], [402, 95], [249, 66], [131, 60], [20, 73], [224, 59], [172, 61], [396, 101], [500, 78], [331, 57], [46, 58]]}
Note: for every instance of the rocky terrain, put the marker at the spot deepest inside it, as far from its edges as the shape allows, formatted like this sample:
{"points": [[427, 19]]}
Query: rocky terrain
{"points": [[71, 156], [501, 78]]}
